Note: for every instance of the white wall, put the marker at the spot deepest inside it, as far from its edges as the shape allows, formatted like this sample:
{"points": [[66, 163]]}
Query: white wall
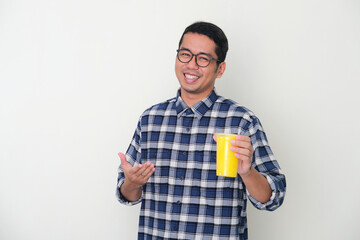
{"points": [[75, 75]]}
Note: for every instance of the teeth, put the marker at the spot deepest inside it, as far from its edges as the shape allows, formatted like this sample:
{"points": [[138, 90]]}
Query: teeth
{"points": [[190, 76]]}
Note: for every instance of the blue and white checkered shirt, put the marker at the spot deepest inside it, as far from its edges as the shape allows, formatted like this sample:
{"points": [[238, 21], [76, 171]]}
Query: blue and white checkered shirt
{"points": [[184, 199]]}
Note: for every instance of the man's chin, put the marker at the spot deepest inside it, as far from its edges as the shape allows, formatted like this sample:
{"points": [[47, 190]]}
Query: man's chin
{"points": [[189, 90]]}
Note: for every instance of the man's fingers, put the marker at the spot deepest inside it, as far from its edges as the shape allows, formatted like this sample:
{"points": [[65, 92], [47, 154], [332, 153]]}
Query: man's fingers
{"points": [[243, 138], [242, 148], [214, 137], [122, 156], [241, 151], [148, 170], [140, 171], [145, 170], [242, 142], [124, 163]]}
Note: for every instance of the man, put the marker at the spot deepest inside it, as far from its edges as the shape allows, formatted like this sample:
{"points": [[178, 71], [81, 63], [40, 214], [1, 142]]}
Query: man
{"points": [[170, 165]]}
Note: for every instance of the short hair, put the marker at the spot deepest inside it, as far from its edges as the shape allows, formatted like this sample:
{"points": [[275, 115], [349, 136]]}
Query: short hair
{"points": [[214, 33]]}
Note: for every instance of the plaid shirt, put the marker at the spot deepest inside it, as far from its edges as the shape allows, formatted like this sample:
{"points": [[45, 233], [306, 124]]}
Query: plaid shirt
{"points": [[184, 199]]}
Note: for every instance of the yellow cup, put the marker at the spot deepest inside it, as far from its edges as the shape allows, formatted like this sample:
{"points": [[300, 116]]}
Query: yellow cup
{"points": [[226, 162]]}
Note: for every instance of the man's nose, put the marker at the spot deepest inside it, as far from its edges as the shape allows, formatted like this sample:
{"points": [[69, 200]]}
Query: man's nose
{"points": [[192, 64]]}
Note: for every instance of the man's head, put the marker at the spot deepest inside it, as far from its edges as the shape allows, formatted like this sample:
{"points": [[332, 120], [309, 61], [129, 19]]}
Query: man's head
{"points": [[214, 33], [200, 60]]}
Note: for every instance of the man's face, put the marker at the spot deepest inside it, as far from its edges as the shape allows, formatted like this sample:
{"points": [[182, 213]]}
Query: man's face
{"points": [[197, 82]]}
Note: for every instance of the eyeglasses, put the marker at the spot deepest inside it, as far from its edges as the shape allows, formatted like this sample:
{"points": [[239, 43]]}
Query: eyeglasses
{"points": [[201, 59]]}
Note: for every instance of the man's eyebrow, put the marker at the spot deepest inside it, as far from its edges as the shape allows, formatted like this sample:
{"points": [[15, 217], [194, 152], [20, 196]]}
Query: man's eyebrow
{"points": [[185, 49]]}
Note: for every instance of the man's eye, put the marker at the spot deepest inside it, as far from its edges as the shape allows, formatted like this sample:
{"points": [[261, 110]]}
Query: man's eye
{"points": [[204, 59]]}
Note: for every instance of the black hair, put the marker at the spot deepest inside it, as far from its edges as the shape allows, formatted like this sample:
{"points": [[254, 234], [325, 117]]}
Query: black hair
{"points": [[214, 33]]}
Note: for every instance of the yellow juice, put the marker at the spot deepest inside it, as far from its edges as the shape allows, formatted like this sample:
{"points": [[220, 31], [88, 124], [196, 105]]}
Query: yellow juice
{"points": [[226, 162]]}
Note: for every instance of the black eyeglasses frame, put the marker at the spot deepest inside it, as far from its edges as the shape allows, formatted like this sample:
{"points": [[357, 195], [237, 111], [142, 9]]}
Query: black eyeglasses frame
{"points": [[196, 55]]}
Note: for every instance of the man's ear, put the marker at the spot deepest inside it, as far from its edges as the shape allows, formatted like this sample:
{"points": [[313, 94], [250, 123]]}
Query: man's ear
{"points": [[221, 69]]}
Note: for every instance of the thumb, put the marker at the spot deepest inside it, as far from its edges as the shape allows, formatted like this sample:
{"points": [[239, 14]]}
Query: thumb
{"points": [[124, 163]]}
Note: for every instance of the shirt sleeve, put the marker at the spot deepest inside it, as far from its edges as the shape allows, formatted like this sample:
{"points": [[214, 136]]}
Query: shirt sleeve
{"points": [[133, 156], [265, 162]]}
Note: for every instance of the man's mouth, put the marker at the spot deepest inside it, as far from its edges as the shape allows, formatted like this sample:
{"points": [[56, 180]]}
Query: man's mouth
{"points": [[190, 77]]}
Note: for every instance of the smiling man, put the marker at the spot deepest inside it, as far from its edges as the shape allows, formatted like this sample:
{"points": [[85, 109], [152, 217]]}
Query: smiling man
{"points": [[170, 165]]}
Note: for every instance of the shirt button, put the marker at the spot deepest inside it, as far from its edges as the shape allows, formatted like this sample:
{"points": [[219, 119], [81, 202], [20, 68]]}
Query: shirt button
{"points": [[181, 178], [178, 202], [188, 129]]}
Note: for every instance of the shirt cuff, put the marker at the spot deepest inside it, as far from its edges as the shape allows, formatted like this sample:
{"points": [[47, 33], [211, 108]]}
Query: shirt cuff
{"points": [[267, 205], [121, 197]]}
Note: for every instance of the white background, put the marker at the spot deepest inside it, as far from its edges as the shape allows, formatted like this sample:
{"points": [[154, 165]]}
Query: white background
{"points": [[75, 76]]}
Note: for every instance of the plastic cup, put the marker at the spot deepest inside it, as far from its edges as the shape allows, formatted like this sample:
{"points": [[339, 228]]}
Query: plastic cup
{"points": [[226, 162]]}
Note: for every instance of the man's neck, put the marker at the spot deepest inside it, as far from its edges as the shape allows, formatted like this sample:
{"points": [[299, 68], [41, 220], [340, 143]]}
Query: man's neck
{"points": [[192, 98]]}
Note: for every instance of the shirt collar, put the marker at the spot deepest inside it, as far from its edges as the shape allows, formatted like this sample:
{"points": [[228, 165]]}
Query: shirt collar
{"points": [[199, 109]]}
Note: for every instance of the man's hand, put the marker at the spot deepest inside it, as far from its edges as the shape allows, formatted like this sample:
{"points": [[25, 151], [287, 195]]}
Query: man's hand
{"points": [[135, 177], [244, 152]]}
